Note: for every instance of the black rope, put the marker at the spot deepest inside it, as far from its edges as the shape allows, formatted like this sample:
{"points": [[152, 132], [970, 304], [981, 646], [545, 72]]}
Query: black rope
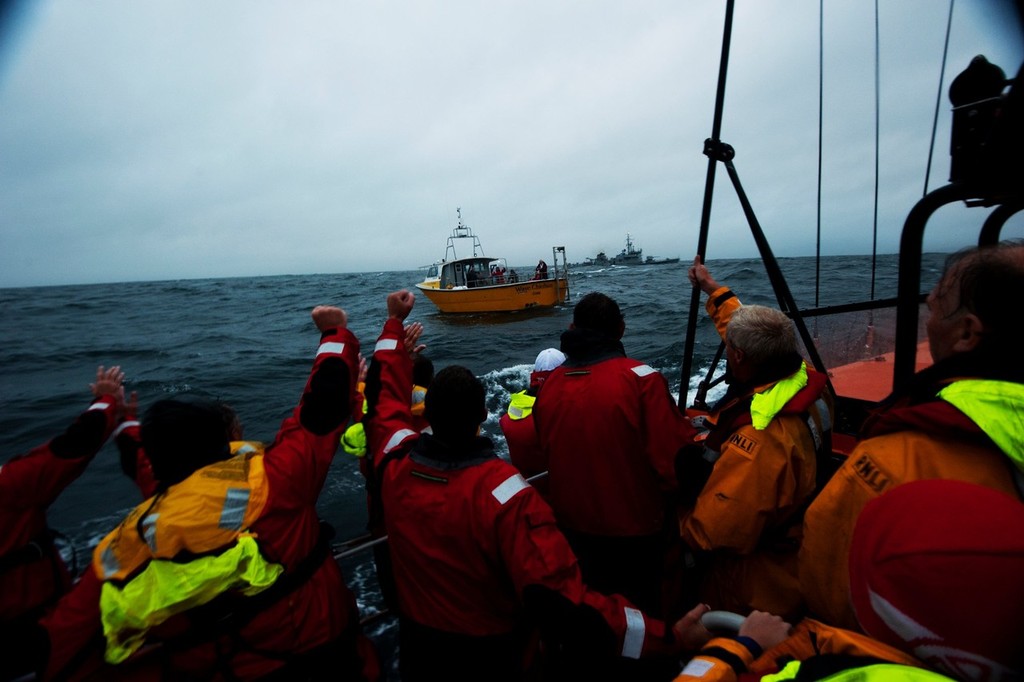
{"points": [[938, 98]]}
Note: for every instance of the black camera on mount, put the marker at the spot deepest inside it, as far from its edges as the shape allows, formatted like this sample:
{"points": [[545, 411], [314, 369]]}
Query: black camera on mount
{"points": [[987, 140]]}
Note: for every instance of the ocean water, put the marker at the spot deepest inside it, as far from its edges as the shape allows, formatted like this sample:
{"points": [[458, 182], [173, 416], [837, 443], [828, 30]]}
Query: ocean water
{"points": [[250, 342]]}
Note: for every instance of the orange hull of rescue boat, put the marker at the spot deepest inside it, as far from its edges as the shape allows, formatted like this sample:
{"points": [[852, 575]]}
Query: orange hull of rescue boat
{"points": [[871, 379]]}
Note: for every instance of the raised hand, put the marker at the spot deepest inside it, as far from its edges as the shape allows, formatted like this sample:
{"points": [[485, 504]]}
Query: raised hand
{"points": [[109, 382], [400, 304], [701, 277], [328, 317], [412, 336]]}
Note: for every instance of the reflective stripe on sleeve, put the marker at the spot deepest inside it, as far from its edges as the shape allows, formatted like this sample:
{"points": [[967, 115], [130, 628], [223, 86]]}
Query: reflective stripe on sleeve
{"points": [[396, 439], [643, 370], [330, 347], [386, 344], [125, 425], [697, 668], [633, 641], [99, 406], [507, 490]]}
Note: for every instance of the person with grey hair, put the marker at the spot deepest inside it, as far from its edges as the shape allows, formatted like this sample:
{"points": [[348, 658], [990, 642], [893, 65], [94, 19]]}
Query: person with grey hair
{"points": [[761, 450], [958, 419]]}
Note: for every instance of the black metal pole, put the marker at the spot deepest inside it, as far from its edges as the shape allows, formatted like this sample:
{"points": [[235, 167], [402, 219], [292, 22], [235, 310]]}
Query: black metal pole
{"points": [[782, 293], [705, 219], [909, 284]]}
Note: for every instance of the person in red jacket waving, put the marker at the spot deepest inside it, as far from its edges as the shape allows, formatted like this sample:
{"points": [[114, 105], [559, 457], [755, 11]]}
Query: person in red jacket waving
{"points": [[478, 559], [32, 574], [226, 572]]}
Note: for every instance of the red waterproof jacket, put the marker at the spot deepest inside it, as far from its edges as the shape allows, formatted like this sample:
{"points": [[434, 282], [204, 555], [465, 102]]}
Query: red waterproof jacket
{"points": [[516, 424], [318, 612], [610, 431], [468, 536], [33, 574]]}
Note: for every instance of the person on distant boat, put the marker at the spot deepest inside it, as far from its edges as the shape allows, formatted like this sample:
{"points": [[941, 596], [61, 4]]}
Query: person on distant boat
{"points": [[516, 424], [935, 569], [610, 431], [958, 419], [479, 561], [763, 442], [227, 570], [32, 573], [472, 278], [541, 271], [513, 276]]}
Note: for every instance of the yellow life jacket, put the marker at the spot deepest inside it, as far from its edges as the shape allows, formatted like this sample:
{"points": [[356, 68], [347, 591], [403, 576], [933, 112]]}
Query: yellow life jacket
{"points": [[419, 397], [521, 405], [206, 519], [882, 672], [765, 405], [353, 440]]}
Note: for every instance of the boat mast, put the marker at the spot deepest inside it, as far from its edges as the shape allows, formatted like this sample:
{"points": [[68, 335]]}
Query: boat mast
{"points": [[716, 150], [462, 231], [705, 218]]}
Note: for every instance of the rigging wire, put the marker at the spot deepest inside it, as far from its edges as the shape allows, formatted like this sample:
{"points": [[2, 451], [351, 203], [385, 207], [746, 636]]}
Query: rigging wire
{"points": [[874, 229], [938, 98], [821, 108], [869, 339]]}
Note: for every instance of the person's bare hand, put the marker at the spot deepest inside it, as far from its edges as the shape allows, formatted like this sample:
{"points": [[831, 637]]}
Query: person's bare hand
{"points": [[690, 632], [412, 336], [108, 381], [362, 369], [400, 304], [328, 317], [701, 277], [766, 629]]}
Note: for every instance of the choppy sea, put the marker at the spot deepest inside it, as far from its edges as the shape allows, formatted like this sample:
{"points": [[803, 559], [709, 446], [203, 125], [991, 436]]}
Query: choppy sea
{"points": [[250, 342]]}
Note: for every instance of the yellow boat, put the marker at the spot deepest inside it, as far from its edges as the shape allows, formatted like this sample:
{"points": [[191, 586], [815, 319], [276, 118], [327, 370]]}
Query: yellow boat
{"points": [[481, 284]]}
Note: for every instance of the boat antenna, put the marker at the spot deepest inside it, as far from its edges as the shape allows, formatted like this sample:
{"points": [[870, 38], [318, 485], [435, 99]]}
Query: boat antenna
{"points": [[705, 218], [938, 98]]}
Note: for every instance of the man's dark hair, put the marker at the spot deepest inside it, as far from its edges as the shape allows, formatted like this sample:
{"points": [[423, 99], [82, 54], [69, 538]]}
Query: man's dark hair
{"points": [[455, 405], [182, 435], [986, 277], [598, 312], [422, 371]]}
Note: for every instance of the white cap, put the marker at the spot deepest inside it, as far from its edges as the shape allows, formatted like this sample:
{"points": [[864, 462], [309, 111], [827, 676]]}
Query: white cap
{"points": [[548, 359]]}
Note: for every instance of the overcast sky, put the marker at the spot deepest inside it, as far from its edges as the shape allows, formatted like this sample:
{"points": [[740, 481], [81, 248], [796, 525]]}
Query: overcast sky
{"points": [[178, 139]]}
